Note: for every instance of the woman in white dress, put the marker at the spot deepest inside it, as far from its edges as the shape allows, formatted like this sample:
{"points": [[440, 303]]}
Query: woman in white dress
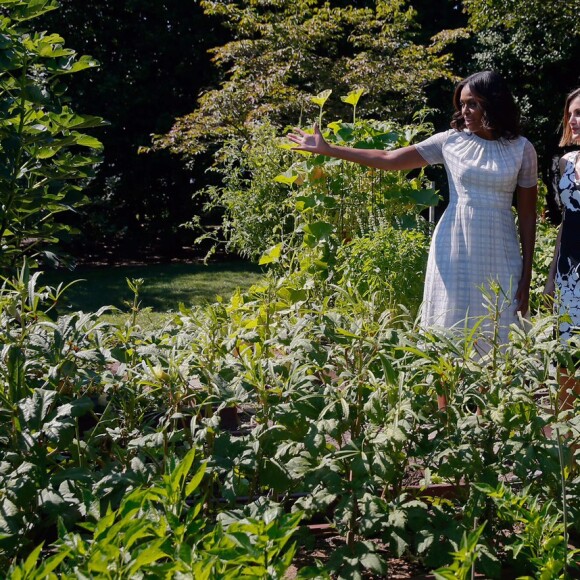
{"points": [[475, 241]]}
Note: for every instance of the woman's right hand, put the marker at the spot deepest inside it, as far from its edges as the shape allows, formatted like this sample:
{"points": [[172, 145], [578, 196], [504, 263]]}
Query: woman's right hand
{"points": [[311, 142], [549, 289]]}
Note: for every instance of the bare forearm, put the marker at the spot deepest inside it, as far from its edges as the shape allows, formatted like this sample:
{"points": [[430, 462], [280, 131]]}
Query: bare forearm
{"points": [[528, 241], [527, 225], [401, 159]]}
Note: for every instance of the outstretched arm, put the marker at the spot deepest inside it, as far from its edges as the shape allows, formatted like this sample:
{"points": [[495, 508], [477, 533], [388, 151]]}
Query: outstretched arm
{"points": [[399, 159], [527, 197]]}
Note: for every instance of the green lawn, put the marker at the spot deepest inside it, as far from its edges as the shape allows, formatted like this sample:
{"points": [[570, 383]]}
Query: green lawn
{"points": [[164, 287]]}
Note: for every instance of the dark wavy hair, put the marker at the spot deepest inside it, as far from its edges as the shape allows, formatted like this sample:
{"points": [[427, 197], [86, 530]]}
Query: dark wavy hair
{"points": [[567, 137], [501, 114]]}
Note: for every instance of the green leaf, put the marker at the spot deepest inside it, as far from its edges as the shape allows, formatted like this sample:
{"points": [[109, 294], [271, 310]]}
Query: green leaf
{"points": [[70, 65], [36, 409], [87, 141], [46, 152], [33, 9], [373, 562], [195, 480], [271, 255], [305, 202], [31, 560], [178, 476], [321, 98], [52, 563], [353, 97], [425, 197], [292, 295], [320, 230], [150, 554], [51, 47], [343, 130], [288, 177]]}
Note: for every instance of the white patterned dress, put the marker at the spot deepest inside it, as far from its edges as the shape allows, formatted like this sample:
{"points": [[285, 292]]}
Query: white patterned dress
{"points": [[568, 263], [475, 240]]}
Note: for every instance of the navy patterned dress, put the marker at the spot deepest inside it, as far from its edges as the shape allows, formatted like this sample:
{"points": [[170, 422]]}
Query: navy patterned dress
{"points": [[568, 262]]}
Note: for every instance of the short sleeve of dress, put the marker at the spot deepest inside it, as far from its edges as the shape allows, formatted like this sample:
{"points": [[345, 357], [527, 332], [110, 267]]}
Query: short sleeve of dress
{"points": [[528, 175], [431, 149]]}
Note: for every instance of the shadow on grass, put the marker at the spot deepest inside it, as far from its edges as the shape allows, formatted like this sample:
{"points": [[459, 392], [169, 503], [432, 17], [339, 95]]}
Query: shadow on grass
{"points": [[164, 287]]}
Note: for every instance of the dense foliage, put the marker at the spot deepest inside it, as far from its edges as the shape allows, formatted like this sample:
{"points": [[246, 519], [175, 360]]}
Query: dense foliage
{"points": [[534, 44], [284, 51], [300, 49], [205, 448], [45, 155], [320, 404], [154, 63], [267, 196]]}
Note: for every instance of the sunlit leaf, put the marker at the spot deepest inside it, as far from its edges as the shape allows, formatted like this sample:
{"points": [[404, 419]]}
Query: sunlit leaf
{"points": [[319, 229], [271, 255], [321, 98], [353, 97], [288, 177]]}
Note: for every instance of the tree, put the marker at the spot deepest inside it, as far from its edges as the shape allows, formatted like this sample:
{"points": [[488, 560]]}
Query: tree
{"points": [[284, 51], [43, 148], [154, 62], [534, 44]]}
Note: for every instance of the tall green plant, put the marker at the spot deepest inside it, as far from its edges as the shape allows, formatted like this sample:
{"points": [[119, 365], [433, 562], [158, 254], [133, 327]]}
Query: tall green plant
{"points": [[541, 540], [388, 262], [43, 146], [350, 197]]}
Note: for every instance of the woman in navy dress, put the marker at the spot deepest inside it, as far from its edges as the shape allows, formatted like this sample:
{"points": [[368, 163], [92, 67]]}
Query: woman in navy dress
{"points": [[564, 277]]}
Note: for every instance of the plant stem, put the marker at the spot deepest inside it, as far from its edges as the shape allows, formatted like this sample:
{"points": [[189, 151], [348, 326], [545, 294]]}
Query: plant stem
{"points": [[564, 500]]}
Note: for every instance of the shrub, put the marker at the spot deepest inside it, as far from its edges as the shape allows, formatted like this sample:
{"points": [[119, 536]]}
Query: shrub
{"points": [[43, 155], [388, 260]]}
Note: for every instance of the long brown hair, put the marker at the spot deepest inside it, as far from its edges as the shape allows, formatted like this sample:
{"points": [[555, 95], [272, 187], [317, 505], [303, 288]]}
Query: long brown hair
{"points": [[567, 138], [501, 114]]}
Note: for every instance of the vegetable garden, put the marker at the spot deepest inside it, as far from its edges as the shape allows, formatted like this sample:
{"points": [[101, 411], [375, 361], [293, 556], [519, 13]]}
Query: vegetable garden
{"points": [[209, 448], [205, 448]]}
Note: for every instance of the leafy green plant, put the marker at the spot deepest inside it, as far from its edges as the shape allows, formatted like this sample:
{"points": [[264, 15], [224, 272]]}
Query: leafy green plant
{"points": [[332, 409], [464, 558], [351, 197], [540, 541], [270, 200], [256, 211], [44, 167], [543, 256], [387, 260], [353, 98], [160, 531]]}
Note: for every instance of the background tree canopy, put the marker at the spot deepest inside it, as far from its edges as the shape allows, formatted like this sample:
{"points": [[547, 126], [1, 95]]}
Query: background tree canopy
{"points": [[153, 65], [535, 45], [282, 52], [196, 74]]}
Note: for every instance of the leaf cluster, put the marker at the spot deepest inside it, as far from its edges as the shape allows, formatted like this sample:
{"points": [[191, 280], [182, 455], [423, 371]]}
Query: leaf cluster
{"points": [[276, 202], [43, 143], [534, 46]]}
